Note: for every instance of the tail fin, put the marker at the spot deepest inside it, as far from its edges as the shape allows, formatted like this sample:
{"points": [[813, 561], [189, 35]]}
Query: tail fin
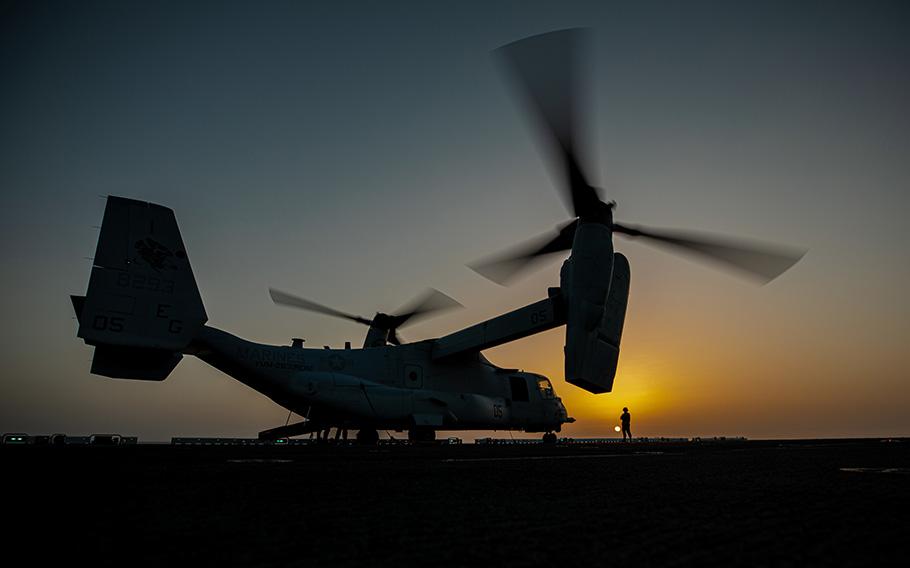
{"points": [[142, 307]]}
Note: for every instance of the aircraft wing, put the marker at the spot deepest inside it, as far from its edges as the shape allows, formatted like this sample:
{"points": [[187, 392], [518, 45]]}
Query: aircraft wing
{"points": [[517, 324]]}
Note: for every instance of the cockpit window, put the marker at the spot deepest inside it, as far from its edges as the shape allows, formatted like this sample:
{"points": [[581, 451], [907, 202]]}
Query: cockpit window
{"points": [[545, 388], [519, 389]]}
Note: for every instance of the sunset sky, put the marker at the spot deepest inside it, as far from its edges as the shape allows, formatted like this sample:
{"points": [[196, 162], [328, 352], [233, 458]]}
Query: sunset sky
{"points": [[355, 153]]}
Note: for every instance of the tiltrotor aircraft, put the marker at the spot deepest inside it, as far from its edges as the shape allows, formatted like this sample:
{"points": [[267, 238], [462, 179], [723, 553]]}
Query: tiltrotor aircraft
{"points": [[143, 311]]}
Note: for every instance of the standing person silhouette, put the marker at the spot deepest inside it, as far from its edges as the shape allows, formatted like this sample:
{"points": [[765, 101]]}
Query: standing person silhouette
{"points": [[625, 419]]}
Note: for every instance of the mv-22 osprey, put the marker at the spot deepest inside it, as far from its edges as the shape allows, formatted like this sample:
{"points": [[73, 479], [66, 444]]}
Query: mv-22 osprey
{"points": [[143, 311]]}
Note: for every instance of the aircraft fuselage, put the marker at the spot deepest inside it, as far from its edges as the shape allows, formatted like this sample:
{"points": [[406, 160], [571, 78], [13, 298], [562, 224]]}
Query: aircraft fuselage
{"points": [[388, 387]]}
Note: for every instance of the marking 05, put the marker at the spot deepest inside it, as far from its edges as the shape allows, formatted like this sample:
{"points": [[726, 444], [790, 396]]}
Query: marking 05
{"points": [[105, 323], [540, 316]]}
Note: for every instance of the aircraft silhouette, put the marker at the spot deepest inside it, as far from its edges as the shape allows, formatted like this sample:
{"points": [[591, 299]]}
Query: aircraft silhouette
{"points": [[143, 311]]}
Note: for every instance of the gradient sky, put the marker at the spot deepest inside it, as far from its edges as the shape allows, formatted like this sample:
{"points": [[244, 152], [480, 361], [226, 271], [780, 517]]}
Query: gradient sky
{"points": [[356, 152]]}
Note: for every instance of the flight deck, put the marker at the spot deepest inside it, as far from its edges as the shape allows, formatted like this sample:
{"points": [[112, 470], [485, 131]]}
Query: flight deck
{"points": [[668, 503]]}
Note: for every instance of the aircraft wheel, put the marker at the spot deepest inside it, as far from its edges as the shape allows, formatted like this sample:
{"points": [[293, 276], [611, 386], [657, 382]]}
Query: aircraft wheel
{"points": [[367, 437], [549, 438]]}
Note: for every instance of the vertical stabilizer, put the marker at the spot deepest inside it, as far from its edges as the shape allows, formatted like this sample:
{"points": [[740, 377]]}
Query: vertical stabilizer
{"points": [[141, 293]]}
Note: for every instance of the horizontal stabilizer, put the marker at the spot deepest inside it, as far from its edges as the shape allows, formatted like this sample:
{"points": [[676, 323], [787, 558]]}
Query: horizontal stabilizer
{"points": [[135, 363]]}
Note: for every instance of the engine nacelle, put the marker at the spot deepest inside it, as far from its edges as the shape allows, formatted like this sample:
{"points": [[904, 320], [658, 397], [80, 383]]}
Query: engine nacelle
{"points": [[595, 285]]}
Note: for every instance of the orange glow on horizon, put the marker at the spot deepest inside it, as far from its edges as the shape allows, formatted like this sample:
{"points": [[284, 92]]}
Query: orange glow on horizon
{"points": [[707, 382]]}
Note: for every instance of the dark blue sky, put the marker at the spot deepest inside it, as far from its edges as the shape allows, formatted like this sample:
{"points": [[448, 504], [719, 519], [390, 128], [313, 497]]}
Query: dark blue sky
{"points": [[356, 152]]}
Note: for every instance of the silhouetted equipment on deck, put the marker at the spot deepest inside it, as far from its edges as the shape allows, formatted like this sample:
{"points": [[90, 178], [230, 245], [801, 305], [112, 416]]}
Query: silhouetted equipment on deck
{"points": [[143, 310], [59, 440], [105, 440], [16, 439]]}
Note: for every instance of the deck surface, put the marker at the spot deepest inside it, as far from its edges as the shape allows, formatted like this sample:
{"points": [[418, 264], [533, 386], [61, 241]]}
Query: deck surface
{"points": [[769, 503]]}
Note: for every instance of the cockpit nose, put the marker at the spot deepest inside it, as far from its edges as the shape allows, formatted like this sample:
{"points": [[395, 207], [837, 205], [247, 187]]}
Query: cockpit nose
{"points": [[561, 407]]}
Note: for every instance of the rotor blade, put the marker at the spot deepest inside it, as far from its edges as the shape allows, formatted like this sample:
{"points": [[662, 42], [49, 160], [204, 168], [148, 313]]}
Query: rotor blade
{"points": [[547, 72], [286, 299], [428, 303], [761, 261], [504, 266]]}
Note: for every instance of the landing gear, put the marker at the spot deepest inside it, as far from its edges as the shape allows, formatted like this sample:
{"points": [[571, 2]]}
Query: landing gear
{"points": [[367, 437], [549, 438], [421, 434]]}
